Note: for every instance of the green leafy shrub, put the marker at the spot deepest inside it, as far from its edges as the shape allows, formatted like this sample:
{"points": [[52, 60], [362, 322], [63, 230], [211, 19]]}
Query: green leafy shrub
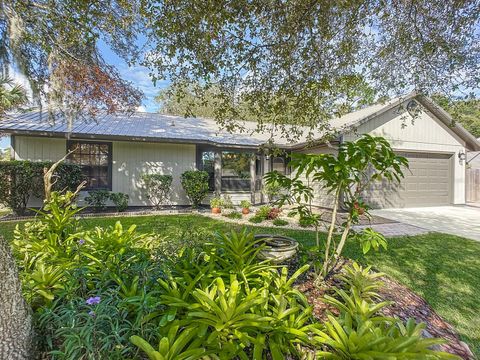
{"points": [[263, 212], [360, 280], [256, 219], [216, 202], [195, 184], [235, 306], [305, 222], [272, 190], [21, 180], [227, 202], [120, 200], [245, 204], [158, 188], [97, 199], [233, 215], [280, 222]]}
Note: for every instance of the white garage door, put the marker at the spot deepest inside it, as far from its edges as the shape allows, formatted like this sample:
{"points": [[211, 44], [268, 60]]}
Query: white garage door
{"points": [[427, 183]]}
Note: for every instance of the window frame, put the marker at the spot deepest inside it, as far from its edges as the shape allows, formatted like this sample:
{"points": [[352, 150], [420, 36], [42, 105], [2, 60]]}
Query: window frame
{"points": [[109, 161]]}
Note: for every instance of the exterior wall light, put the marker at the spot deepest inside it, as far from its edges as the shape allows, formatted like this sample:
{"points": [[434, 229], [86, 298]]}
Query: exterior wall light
{"points": [[462, 156]]}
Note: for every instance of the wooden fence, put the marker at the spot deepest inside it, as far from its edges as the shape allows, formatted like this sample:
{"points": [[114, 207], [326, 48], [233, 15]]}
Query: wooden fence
{"points": [[473, 185]]}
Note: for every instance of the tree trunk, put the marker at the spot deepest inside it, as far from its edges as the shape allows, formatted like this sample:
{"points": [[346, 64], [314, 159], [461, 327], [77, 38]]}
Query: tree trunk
{"points": [[16, 329]]}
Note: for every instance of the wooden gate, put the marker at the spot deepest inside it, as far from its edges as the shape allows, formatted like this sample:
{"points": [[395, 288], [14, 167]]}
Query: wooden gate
{"points": [[473, 185]]}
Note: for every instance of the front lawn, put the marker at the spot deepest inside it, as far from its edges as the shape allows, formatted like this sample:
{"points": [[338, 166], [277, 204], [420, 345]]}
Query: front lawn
{"points": [[444, 269]]}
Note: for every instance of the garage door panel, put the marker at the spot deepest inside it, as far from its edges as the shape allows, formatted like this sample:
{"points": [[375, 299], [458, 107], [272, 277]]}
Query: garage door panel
{"points": [[426, 183]]}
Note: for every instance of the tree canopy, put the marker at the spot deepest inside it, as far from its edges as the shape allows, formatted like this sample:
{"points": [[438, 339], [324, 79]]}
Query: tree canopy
{"points": [[464, 111], [275, 62], [55, 45]]}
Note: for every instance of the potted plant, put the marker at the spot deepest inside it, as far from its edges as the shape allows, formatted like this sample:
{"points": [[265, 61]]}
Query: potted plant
{"points": [[245, 204], [215, 204]]}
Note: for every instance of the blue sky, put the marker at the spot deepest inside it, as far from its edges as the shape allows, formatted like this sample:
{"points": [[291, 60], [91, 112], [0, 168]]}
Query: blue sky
{"points": [[138, 75]]}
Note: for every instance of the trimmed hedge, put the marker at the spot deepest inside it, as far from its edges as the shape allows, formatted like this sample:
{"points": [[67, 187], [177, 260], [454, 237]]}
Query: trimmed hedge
{"points": [[20, 180]]}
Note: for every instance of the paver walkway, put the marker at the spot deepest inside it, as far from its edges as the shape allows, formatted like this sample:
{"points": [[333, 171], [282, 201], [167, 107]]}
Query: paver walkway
{"points": [[394, 229], [457, 220]]}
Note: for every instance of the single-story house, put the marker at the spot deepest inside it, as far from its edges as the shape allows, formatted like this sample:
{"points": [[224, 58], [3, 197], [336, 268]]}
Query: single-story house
{"points": [[115, 150]]}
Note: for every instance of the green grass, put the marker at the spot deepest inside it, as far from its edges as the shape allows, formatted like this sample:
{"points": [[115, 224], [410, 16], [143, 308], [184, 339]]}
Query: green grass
{"points": [[444, 269]]}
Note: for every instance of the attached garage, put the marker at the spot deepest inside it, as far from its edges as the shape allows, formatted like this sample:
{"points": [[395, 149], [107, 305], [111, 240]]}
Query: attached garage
{"points": [[427, 182], [422, 132]]}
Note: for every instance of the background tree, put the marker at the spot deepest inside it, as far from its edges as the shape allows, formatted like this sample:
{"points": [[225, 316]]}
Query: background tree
{"points": [[465, 111], [54, 44], [310, 60]]}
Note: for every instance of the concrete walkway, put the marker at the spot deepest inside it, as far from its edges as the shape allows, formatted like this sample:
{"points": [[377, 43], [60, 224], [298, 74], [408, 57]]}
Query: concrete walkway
{"points": [[456, 220]]}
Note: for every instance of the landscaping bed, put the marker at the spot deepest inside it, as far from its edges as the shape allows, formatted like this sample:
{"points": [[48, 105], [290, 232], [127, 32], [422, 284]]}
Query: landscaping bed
{"points": [[405, 304]]}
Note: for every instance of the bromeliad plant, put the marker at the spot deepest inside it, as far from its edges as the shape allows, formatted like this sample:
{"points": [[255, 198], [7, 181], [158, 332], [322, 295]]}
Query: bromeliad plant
{"points": [[346, 175]]}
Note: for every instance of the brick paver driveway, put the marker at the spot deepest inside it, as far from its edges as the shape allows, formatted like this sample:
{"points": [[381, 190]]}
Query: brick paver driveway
{"points": [[457, 220]]}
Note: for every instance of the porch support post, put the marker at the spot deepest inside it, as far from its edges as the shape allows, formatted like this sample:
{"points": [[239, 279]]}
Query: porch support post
{"points": [[218, 172], [252, 178]]}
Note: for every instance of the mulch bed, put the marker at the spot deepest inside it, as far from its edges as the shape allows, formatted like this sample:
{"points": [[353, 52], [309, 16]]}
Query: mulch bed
{"points": [[406, 305]]}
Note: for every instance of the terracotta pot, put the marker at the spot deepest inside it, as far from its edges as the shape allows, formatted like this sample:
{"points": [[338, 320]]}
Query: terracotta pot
{"points": [[216, 210], [245, 211]]}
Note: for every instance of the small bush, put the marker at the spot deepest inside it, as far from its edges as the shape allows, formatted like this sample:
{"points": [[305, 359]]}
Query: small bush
{"points": [[305, 222], [157, 187], [233, 215], [256, 219], [216, 202], [195, 184], [263, 212], [120, 200], [280, 222], [20, 180], [245, 204], [227, 202], [272, 190], [97, 199], [274, 213]]}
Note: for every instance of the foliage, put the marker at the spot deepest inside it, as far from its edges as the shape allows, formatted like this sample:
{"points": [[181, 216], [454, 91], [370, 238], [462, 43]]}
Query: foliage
{"points": [[233, 305], [274, 213], [465, 111], [305, 222], [21, 180], [195, 184], [279, 222], [120, 200], [369, 238], [158, 188], [359, 332], [55, 46], [227, 202], [309, 62], [272, 190], [216, 202], [256, 219], [97, 199], [361, 281], [245, 204], [90, 290], [263, 212], [349, 173], [12, 96], [233, 215], [419, 262]]}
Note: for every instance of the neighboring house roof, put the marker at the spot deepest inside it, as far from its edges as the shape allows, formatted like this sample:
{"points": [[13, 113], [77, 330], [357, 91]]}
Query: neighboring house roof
{"points": [[158, 127]]}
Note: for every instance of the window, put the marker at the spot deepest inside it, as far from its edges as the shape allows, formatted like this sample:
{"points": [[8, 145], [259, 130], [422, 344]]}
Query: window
{"points": [[278, 164], [95, 159], [207, 163], [236, 170]]}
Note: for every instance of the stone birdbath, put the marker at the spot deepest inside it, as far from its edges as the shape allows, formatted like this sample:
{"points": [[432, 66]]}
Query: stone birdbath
{"points": [[278, 249]]}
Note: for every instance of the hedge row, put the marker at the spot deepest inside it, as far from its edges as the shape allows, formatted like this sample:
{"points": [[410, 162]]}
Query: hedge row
{"points": [[20, 180]]}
